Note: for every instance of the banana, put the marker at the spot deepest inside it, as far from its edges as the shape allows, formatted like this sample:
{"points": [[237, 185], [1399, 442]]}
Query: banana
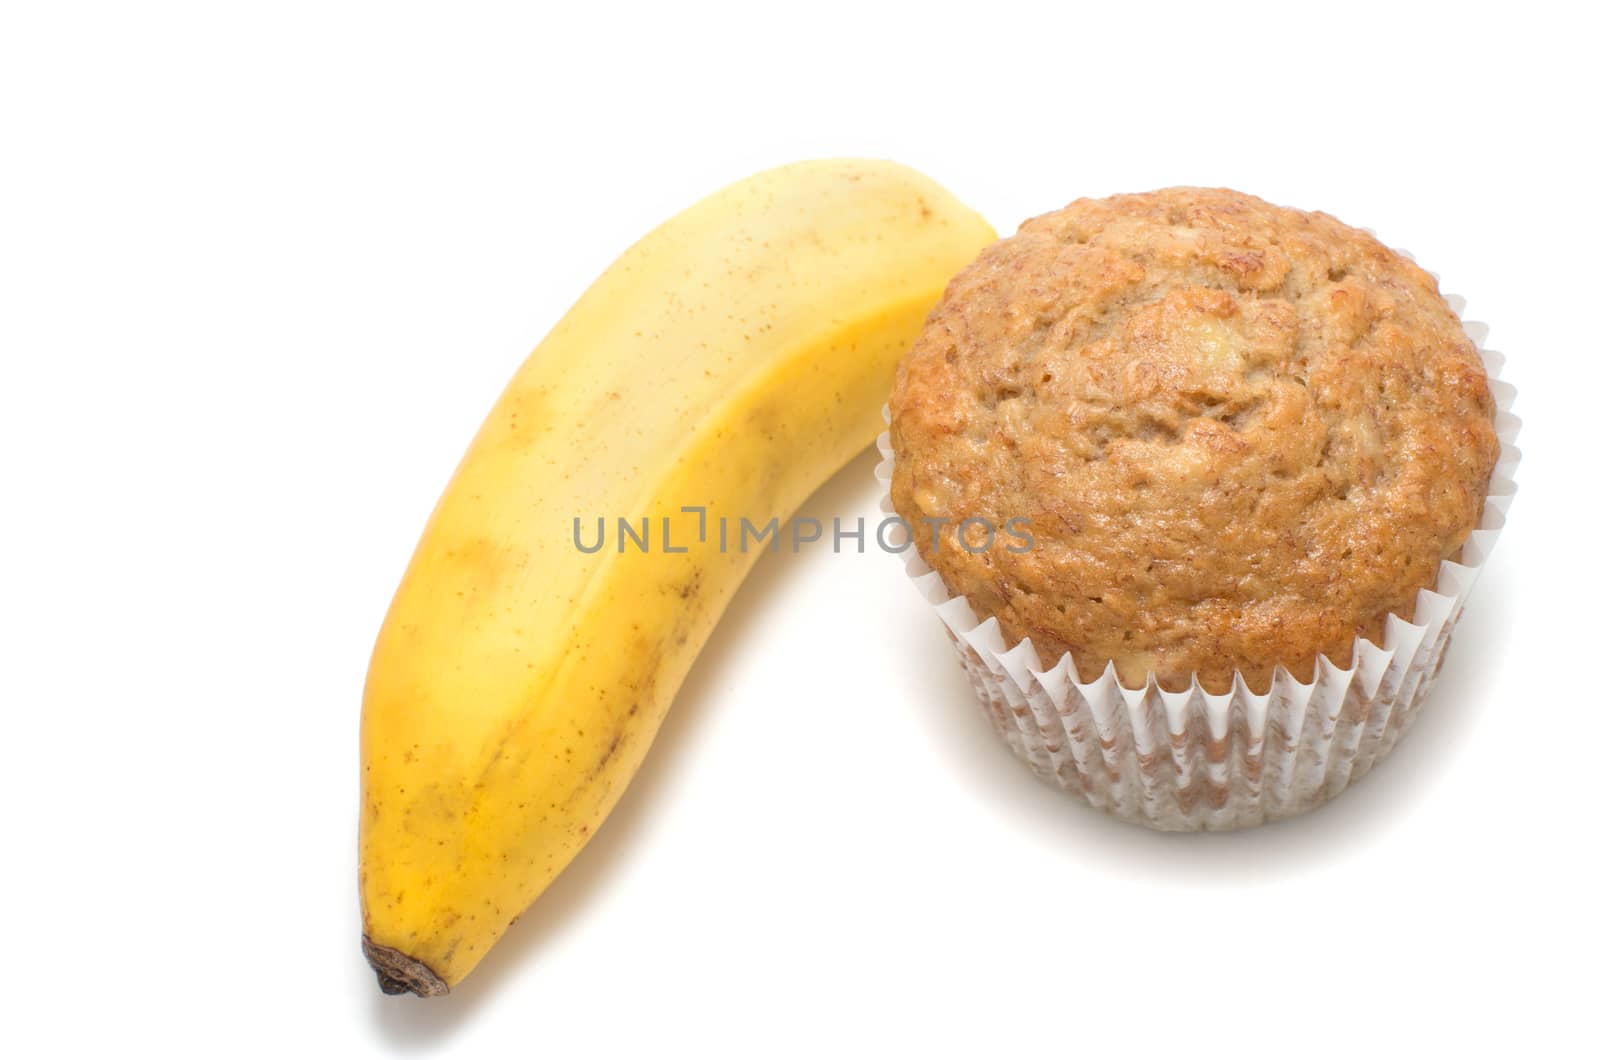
{"points": [[732, 360]]}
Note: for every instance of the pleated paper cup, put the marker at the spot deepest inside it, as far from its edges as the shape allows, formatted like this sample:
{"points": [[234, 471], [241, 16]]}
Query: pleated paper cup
{"points": [[1193, 760]]}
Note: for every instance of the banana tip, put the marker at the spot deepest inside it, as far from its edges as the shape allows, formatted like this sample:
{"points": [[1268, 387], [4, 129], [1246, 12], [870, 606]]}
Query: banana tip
{"points": [[400, 974]]}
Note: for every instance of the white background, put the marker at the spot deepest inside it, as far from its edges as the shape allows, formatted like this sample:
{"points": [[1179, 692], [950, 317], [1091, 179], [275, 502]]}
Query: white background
{"points": [[262, 271]]}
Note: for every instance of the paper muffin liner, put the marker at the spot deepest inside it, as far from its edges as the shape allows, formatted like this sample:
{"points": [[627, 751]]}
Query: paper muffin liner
{"points": [[1193, 760]]}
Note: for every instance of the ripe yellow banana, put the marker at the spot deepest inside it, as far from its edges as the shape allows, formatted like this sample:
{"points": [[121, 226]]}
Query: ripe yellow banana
{"points": [[733, 359]]}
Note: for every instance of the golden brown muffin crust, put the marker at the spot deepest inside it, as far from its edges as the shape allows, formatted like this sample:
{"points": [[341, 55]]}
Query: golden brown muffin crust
{"points": [[1242, 435]]}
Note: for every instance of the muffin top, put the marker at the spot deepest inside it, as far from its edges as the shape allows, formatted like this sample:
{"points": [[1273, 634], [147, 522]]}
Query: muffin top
{"points": [[1227, 435]]}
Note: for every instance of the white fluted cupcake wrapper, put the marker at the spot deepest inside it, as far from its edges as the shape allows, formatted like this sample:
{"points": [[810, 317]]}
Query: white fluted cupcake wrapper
{"points": [[1191, 760]]}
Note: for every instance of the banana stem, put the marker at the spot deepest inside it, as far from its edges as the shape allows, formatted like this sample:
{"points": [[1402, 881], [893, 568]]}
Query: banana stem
{"points": [[399, 974]]}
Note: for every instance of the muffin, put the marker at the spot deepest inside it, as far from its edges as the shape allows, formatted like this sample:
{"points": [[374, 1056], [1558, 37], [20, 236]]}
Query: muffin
{"points": [[1191, 451]]}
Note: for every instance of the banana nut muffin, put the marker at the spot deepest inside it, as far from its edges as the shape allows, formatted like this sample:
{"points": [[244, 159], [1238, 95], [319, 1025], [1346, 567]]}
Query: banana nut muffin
{"points": [[1241, 436]]}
